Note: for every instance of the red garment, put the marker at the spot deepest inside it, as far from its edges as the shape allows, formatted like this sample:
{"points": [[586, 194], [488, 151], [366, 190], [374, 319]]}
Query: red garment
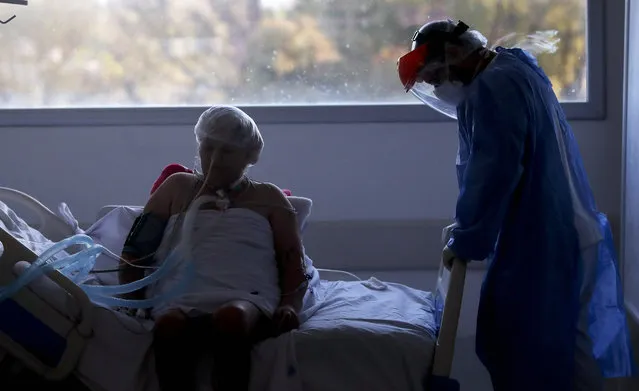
{"points": [[167, 172]]}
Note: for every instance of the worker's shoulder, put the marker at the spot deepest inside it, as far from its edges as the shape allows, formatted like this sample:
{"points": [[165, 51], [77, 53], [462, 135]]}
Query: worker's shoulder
{"points": [[511, 69], [502, 83]]}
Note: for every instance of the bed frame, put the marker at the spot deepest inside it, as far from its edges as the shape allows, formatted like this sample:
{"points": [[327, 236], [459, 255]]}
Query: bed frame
{"points": [[448, 302], [448, 296], [50, 349]]}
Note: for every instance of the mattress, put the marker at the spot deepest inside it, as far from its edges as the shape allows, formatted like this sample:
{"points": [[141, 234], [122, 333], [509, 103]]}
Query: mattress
{"points": [[360, 335]]}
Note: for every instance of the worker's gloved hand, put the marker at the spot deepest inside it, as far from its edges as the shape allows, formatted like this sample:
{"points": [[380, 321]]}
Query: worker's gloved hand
{"points": [[447, 257], [285, 319], [446, 232]]}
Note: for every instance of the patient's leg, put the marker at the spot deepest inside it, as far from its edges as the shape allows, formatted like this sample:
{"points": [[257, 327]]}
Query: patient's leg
{"points": [[175, 352], [238, 325]]}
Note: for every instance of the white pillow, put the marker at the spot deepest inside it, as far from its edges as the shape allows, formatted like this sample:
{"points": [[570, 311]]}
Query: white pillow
{"points": [[113, 227], [111, 231], [303, 207]]}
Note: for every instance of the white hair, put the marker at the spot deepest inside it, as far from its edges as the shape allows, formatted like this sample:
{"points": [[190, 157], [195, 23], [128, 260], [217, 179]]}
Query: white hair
{"points": [[232, 126]]}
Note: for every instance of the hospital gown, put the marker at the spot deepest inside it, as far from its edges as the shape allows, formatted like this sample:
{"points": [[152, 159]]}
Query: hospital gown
{"points": [[526, 206]]}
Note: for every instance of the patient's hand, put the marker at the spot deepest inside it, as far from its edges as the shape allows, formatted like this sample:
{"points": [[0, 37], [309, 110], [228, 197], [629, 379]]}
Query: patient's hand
{"points": [[285, 319]]}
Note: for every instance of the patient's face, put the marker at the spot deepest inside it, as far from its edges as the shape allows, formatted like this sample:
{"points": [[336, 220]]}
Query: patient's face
{"points": [[222, 163]]}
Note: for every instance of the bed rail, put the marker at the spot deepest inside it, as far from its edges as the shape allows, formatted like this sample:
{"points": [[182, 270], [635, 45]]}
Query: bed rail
{"points": [[448, 302], [50, 225], [43, 337]]}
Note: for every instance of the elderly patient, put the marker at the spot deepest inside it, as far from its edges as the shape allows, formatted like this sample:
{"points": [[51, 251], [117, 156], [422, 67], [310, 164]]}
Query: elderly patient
{"points": [[249, 279]]}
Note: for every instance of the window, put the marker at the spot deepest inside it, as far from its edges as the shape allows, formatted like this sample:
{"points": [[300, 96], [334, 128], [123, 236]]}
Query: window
{"points": [[296, 58]]}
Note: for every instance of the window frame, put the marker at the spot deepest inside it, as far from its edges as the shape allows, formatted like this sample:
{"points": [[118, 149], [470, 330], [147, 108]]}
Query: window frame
{"points": [[594, 109]]}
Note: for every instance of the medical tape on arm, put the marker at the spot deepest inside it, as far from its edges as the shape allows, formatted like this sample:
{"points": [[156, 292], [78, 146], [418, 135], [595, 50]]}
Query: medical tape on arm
{"points": [[145, 237]]}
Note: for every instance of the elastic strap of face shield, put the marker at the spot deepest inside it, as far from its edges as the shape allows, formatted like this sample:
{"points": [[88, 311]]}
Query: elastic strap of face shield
{"points": [[438, 39], [429, 46]]}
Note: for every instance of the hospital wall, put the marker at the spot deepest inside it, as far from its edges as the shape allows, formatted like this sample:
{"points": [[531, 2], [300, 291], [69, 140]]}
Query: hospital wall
{"points": [[630, 206], [381, 192]]}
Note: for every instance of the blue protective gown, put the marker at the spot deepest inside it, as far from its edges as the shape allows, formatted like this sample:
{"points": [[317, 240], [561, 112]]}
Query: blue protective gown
{"points": [[526, 206]]}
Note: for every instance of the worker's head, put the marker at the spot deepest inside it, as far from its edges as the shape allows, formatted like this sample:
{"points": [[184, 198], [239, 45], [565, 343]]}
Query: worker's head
{"points": [[228, 143], [445, 57]]}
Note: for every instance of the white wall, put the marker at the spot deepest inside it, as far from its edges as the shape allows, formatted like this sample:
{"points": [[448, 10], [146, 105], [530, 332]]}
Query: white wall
{"points": [[631, 180], [382, 190]]}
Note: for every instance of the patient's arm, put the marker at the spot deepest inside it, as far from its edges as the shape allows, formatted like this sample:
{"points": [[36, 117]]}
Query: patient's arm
{"points": [[159, 207], [288, 250]]}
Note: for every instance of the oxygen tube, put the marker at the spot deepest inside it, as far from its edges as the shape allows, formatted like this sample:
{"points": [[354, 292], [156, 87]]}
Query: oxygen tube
{"points": [[77, 267]]}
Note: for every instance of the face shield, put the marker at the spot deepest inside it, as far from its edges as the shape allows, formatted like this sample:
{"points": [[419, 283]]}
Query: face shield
{"points": [[415, 76], [444, 98], [424, 71]]}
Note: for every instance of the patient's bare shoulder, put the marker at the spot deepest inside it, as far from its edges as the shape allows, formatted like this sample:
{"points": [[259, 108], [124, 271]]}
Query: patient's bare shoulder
{"points": [[269, 193], [173, 195], [263, 198], [282, 217]]}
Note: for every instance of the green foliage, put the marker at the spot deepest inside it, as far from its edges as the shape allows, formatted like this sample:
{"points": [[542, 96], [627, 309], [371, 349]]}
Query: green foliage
{"points": [[197, 52]]}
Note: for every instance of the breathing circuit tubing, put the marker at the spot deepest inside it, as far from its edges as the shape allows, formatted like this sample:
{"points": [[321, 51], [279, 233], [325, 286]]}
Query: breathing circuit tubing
{"points": [[77, 267]]}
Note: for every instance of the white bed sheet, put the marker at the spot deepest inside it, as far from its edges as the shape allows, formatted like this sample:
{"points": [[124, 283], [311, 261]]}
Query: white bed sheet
{"points": [[359, 339]]}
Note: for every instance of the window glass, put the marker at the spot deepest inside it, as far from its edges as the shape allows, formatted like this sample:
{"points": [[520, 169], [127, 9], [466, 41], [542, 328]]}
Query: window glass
{"points": [[96, 53]]}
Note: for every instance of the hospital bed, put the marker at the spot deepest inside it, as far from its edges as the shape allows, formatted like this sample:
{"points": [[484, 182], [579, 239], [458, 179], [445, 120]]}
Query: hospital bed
{"points": [[55, 331]]}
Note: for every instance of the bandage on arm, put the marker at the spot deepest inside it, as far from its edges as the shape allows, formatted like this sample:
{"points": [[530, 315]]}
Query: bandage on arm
{"points": [[145, 237], [139, 248], [147, 232]]}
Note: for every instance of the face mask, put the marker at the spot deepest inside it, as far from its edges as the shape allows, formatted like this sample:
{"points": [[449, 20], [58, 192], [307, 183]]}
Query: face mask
{"points": [[450, 92]]}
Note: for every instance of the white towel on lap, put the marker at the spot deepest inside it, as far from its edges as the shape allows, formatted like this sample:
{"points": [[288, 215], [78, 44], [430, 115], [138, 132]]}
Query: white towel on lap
{"points": [[234, 258]]}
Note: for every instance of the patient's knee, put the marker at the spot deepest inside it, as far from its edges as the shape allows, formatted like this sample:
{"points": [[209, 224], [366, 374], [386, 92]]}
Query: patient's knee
{"points": [[170, 325], [234, 320]]}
